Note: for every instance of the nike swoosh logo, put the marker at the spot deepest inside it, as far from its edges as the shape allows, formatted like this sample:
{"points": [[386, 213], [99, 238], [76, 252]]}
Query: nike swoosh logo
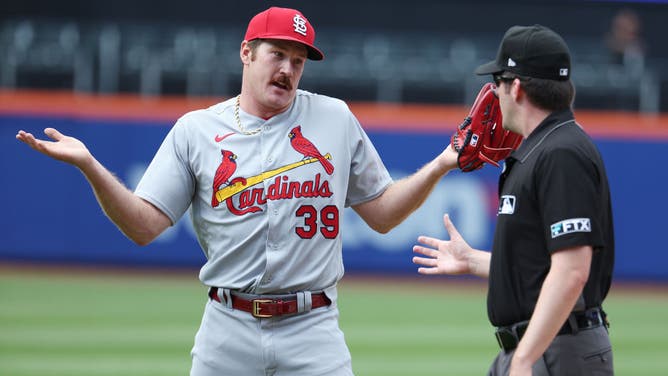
{"points": [[221, 138]]}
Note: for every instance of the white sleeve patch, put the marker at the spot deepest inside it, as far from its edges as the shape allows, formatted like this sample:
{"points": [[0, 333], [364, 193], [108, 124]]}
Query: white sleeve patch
{"points": [[571, 225]]}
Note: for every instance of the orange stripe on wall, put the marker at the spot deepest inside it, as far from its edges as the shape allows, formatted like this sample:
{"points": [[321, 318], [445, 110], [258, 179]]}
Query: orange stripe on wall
{"points": [[374, 116], [120, 107]]}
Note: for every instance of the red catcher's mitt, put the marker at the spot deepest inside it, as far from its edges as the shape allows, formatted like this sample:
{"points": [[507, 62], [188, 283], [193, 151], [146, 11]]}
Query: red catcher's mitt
{"points": [[480, 138]]}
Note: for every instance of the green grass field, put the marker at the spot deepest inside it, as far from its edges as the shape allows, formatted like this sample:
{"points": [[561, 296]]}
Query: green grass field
{"points": [[75, 323]]}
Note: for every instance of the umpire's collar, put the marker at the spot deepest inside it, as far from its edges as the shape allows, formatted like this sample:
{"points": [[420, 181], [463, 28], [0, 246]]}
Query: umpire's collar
{"points": [[547, 126]]}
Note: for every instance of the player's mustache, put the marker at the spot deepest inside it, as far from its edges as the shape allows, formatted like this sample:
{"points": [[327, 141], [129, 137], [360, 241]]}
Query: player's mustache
{"points": [[284, 81]]}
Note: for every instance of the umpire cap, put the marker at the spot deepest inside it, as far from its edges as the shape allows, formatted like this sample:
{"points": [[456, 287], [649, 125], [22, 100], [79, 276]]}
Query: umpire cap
{"points": [[532, 51]]}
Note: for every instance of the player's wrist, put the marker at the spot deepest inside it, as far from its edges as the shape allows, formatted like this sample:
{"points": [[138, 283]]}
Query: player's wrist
{"points": [[447, 160], [87, 164], [450, 157]]}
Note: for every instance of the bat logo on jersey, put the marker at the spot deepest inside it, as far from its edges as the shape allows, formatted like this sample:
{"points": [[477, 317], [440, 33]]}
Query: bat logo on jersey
{"points": [[306, 148], [241, 198]]}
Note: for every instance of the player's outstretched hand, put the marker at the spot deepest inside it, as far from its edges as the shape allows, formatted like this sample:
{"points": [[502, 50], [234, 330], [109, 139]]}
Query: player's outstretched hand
{"points": [[443, 256], [63, 148]]}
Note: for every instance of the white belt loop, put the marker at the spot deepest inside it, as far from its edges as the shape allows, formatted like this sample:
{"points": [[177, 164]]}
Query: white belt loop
{"points": [[307, 301], [304, 301], [225, 296], [300, 302]]}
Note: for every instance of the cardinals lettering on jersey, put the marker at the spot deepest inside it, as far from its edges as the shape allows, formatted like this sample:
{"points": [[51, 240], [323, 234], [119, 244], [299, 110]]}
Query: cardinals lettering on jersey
{"points": [[240, 196], [306, 147]]}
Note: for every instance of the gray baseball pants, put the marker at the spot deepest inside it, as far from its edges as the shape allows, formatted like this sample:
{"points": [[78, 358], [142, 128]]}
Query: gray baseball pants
{"points": [[233, 342]]}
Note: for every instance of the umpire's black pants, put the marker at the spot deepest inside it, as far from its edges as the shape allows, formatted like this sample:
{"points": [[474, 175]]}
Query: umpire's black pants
{"points": [[586, 353]]}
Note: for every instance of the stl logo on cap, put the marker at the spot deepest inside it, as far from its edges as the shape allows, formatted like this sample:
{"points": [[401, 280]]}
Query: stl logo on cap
{"points": [[284, 24], [299, 24]]}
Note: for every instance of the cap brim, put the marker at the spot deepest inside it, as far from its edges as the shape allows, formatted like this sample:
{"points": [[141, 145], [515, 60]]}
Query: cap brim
{"points": [[488, 68], [312, 52]]}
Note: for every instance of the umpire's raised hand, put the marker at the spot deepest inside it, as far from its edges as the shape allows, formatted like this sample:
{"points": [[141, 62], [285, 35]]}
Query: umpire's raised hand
{"points": [[454, 256]]}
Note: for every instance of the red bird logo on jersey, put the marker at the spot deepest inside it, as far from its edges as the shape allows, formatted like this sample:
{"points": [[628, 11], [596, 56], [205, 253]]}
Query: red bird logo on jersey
{"points": [[226, 168], [306, 147]]}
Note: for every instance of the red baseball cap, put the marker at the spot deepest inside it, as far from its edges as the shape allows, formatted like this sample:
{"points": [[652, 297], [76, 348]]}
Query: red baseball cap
{"points": [[284, 24]]}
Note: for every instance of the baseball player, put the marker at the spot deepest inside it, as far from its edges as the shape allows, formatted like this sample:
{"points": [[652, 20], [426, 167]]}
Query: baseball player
{"points": [[267, 175], [552, 259]]}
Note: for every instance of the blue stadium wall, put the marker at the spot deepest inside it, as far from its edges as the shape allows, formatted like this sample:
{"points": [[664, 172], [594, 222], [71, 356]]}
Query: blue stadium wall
{"points": [[50, 214]]}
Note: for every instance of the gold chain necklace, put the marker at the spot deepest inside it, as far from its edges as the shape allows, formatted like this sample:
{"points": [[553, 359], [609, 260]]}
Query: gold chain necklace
{"points": [[241, 127]]}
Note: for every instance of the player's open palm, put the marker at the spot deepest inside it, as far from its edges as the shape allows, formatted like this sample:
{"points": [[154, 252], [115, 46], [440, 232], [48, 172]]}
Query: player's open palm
{"points": [[443, 256], [63, 148]]}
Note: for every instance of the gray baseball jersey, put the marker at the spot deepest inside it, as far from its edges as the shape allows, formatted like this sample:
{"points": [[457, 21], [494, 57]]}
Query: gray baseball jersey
{"points": [[267, 207]]}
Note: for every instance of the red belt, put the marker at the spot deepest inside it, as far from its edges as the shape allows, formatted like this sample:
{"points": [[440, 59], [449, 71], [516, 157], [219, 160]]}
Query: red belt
{"points": [[266, 307]]}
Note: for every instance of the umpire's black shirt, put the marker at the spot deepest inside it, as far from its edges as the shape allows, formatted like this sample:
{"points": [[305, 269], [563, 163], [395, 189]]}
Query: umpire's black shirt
{"points": [[553, 194]]}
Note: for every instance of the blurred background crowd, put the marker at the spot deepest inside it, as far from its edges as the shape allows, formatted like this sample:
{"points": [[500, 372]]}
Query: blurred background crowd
{"points": [[422, 51]]}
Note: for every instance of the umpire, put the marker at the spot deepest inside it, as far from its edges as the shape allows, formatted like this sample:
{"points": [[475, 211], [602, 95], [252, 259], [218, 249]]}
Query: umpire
{"points": [[552, 259]]}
